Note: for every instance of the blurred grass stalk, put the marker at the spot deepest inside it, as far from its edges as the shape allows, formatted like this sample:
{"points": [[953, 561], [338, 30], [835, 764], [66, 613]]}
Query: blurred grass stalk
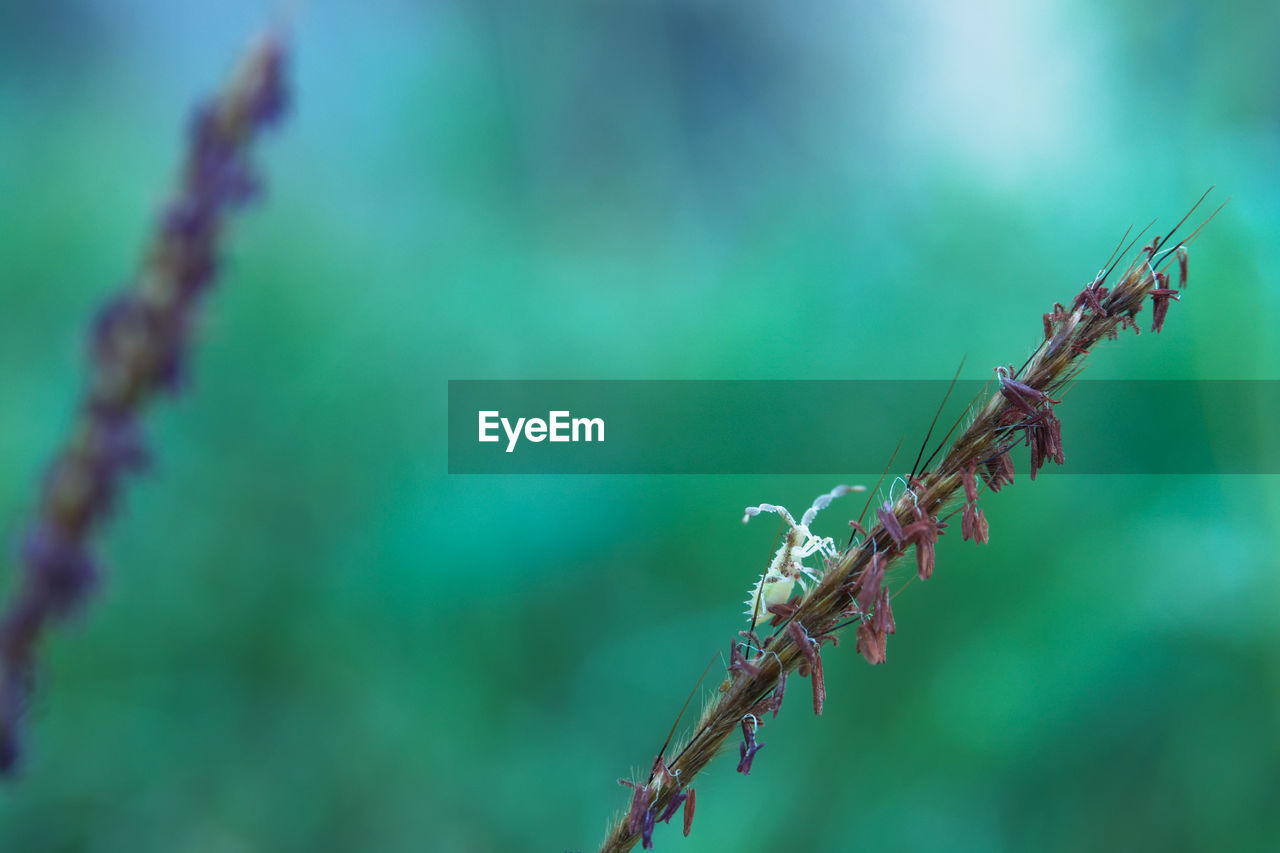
{"points": [[138, 345], [851, 591]]}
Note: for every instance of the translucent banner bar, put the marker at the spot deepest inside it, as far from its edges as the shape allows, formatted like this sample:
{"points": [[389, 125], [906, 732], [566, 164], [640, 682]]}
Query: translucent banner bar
{"points": [[842, 427]]}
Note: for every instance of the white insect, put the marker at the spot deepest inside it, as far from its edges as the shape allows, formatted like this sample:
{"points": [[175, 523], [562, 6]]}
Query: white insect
{"points": [[788, 568]]}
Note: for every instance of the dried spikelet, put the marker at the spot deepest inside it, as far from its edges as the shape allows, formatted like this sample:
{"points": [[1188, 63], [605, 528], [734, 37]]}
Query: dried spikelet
{"points": [[139, 343], [1020, 411]]}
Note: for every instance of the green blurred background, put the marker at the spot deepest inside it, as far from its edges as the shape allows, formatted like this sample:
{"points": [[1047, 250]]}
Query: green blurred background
{"points": [[311, 637]]}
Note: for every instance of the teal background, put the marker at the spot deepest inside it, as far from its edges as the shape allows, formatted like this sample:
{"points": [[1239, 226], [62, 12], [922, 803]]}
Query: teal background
{"points": [[312, 638]]}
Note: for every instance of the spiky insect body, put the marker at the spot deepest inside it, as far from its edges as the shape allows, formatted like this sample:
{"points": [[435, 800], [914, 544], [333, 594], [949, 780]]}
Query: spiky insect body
{"points": [[787, 567]]}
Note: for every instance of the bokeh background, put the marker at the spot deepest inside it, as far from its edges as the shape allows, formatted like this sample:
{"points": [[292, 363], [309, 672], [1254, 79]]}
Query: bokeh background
{"points": [[312, 638]]}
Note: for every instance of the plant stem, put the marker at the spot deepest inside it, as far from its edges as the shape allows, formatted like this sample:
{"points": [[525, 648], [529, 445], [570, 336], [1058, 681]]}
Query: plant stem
{"points": [[1019, 410]]}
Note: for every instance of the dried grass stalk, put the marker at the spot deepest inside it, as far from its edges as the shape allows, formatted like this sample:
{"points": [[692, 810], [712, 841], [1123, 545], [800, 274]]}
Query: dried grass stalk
{"points": [[850, 591], [138, 347]]}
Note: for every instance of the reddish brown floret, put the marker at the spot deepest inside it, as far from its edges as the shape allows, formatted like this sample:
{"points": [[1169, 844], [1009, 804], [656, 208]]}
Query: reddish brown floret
{"points": [[804, 645], [924, 532], [869, 584], [672, 806], [969, 479], [871, 644], [812, 666], [749, 747], [1026, 399], [890, 521], [882, 619], [998, 471], [781, 611], [640, 802], [873, 634], [973, 524], [737, 663], [646, 831], [1091, 296], [779, 692], [1160, 297], [1055, 321], [819, 686]]}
